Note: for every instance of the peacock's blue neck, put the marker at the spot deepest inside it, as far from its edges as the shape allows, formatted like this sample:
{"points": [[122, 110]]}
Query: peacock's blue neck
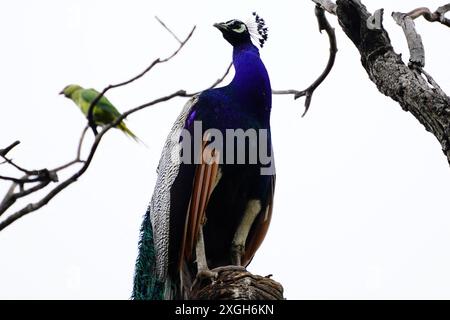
{"points": [[251, 84]]}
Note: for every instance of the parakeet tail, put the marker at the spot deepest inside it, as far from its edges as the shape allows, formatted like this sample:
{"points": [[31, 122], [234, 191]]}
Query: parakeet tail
{"points": [[122, 126]]}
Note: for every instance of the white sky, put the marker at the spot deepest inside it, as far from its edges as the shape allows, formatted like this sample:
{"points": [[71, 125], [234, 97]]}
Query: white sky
{"points": [[361, 208]]}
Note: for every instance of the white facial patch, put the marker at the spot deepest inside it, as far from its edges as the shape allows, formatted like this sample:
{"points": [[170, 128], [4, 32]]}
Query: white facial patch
{"points": [[240, 29]]}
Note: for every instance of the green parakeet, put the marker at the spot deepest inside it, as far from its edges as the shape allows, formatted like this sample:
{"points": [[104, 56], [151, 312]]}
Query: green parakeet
{"points": [[104, 111]]}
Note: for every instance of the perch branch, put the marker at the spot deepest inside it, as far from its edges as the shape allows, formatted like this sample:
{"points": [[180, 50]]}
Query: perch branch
{"points": [[44, 177], [235, 284], [308, 92], [57, 189], [124, 83]]}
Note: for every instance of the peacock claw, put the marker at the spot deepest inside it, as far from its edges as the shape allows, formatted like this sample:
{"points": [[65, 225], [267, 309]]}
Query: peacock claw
{"points": [[205, 274]]}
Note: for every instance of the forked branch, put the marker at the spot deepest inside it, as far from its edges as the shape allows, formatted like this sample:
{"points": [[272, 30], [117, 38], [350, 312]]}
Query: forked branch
{"points": [[308, 92], [157, 61], [36, 180]]}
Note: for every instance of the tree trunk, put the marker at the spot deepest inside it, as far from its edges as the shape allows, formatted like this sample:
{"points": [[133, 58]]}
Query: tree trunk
{"points": [[232, 284], [404, 84]]}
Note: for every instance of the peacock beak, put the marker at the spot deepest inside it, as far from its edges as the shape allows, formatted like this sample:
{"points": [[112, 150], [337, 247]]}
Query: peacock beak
{"points": [[221, 26]]}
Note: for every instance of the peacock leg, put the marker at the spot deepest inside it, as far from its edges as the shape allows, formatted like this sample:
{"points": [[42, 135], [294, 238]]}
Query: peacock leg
{"points": [[240, 237], [203, 272]]}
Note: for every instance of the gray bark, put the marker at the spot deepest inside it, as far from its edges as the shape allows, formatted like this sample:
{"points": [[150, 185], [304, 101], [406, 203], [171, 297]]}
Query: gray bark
{"points": [[423, 98], [233, 284]]}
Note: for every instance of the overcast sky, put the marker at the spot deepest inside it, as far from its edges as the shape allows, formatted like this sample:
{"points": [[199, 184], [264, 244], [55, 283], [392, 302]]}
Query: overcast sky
{"points": [[361, 202]]}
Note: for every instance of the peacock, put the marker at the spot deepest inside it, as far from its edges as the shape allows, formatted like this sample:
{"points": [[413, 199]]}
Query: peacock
{"points": [[212, 203]]}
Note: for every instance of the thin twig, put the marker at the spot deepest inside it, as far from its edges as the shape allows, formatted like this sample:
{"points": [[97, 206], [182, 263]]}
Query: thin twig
{"points": [[170, 31], [29, 172], [51, 194], [21, 180], [8, 200], [16, 180], [78, 158], [4, 152], [67, 165], [215, 84], [80, 144], [46, 176], [92, 125], [12, 197], [308, 92], [289, 91], [38, 175], [437, 16]]}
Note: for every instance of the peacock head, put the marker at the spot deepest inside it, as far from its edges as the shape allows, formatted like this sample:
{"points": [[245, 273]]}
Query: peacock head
{"points": [[70, 89], [237, 32]]}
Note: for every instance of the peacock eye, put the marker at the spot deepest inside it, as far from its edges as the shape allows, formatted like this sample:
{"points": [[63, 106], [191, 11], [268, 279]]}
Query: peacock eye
{"points": [[240, 28]]}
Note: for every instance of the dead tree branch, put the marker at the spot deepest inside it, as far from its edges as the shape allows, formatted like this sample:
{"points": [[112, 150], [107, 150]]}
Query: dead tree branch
{"points": [[415, 45], [4, 152], [90, 116], [168, 29], [308, 92], [235, 284], [327, 5], [437, 16], [51, 194], [216, 83], [39, 179], [429, 105]]}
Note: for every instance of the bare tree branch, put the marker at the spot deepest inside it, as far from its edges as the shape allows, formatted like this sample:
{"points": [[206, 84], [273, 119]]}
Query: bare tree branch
{"points": [[90, 115], [12, 197], [308, 92], [170, 31], [215, 84], [51, 194], [327, 5], [437, 16], [235, 284], [16, 180], [428, 104], [4, 152], [415, 45], [28, 172], [44, 177]]}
